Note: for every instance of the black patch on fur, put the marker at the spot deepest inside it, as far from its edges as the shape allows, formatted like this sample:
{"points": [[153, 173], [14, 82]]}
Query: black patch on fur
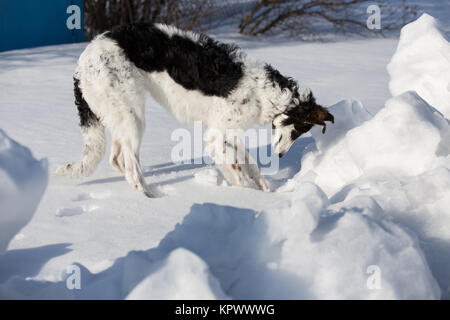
{"points": [[206, 65], [300, 116], [284, 82], [87, 117], [300, 113]]}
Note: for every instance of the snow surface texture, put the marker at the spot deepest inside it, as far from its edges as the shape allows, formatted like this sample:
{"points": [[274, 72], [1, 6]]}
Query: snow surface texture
{"points": [[422, 63], [364, 215], [23, 180]]}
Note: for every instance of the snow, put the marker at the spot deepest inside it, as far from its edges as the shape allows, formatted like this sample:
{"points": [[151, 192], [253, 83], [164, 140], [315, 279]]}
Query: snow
{"points": [[209, 176], [182, 276], [422, 63], [21, 177], [305, 248], [405, 138], [359, 213]]}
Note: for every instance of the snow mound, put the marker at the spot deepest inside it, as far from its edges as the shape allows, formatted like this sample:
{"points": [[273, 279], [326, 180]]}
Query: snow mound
{"points": [[303, 248], [347, 115], [422, 63], [183, 275], [306, 248], [419, 203], [405, 138], [23, 180]]}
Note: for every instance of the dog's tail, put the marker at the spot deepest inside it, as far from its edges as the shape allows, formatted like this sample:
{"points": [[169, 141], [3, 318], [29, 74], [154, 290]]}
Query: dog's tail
{"points": [[94, 140]]}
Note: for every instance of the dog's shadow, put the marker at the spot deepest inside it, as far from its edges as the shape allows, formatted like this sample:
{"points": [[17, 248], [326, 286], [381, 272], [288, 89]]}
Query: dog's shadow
{"points": [[156, 170], [288, 166]]}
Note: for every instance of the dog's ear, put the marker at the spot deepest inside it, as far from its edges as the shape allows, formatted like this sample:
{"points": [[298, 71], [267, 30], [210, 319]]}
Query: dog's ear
{"points": [[308, 97]]}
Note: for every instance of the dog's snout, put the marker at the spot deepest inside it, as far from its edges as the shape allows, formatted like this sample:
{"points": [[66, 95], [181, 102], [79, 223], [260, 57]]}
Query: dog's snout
{"points": [[329, 117]]}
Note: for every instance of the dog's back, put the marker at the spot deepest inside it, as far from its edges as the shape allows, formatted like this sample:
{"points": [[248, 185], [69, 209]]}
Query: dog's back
{"points": [[193, 60]]}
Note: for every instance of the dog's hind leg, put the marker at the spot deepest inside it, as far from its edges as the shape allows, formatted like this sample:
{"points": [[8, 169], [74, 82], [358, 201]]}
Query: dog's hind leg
{"points": [[93, 132], [126, 144], [116, 158]]}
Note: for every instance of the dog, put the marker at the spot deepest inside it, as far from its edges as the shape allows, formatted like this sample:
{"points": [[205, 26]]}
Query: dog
{"points": [[197, 79]]}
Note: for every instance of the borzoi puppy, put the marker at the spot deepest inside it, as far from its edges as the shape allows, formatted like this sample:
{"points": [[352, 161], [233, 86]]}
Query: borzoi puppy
{"points": [[195, 78]]}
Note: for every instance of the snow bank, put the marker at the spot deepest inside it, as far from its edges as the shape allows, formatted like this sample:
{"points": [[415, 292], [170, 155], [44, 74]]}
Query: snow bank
{"points": [[419, 203], [306, 248], [393, 167], [183, 275], [23, 180], [405, 138], [347, 115], [422, 63]]}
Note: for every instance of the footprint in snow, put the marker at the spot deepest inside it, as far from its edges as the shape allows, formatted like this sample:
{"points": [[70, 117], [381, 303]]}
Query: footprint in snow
{"points": [[75, 211], [85, 208], [92, 196]]}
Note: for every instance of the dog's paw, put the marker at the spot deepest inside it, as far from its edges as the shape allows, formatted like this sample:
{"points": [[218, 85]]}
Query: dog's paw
{"points": [[263, 185], [64, 170]]}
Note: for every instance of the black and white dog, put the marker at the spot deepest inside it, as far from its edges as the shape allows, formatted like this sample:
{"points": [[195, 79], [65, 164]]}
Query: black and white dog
{"points": [[196, 78]]}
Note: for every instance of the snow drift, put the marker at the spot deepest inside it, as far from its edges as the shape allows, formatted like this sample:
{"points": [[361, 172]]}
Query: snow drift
{"points": [[399, 158], [422, 63], [183, 276], [23, 180], [405, 138], [305, 248]]}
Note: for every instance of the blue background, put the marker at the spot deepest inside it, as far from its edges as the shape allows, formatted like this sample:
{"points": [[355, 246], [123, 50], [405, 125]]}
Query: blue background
{"points": [[32, 23]]}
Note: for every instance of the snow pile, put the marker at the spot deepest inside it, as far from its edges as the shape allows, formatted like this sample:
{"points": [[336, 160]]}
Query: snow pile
{"points": [[306, 248], [422, 63], [183, 275], [347, 115], [419, 203], [396, 164], [400, 159], [341, 244], [153, 274], [405, 138], [23, 180]]}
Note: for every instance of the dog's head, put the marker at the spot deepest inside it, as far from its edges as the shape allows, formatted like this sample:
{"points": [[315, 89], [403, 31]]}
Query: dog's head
{"points": [[301, 115]]}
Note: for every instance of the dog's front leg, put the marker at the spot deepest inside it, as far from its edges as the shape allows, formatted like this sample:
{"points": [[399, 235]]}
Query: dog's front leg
{"points": [[249, 166], [233, 160]]}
